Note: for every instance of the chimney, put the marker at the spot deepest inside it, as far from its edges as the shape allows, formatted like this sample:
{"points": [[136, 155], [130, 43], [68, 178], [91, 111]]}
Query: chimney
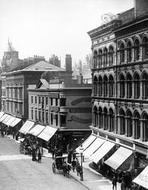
{"points": [[141, 7], [68, 62]]}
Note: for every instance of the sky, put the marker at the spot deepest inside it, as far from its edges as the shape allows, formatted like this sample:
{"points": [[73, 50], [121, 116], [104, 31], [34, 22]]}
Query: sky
{"points": [[46, 27]]}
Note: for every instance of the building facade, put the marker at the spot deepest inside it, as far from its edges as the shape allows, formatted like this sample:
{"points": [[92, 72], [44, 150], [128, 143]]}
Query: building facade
{"points": [[64, 107], [120, 81], [15, 85]]}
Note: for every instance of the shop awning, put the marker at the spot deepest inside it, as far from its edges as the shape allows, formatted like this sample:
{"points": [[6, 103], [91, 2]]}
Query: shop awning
{"points": [[26, 127], [47, 133], [3, 117], [1, 114], [142, 178], [118, 158], [6, 119], [11, 119], [15, 122], [93, 147], [36, 130], [86, 143], [102, 151]]}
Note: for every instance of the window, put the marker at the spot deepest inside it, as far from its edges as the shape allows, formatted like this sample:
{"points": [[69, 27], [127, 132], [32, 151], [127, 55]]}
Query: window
{"points": [[100, 58], [63, 120], [35, 99], [137, 50], [95, 86], [63, 102], [42, 102], [111, 55], [39, 100], [95, 59], [46, 101], [145, 86], [51, 101], [105, 55], [137, 125], [56, 101], [122, 53], [145, 47], [111, 86], [47, 117], [129, 52], [129, 86], [32, 113], [129, 124], [122, 86], [56, 118], [122, 122], [100, 85], [51, 117], [105, 86], [31, 99], [36, 117], [136, 86]]}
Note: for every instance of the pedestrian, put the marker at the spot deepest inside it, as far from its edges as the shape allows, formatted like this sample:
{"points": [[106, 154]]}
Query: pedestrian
{"points": [[39, 153], [114, 182], [34, 152]]}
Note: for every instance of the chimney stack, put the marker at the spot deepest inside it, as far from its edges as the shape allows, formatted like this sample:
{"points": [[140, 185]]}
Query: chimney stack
{"points": [[141, 7]]}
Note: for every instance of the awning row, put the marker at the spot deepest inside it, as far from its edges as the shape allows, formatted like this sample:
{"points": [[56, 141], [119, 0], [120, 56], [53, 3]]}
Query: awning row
{"points": [[40, 131], [96, 148], [9, 120]]}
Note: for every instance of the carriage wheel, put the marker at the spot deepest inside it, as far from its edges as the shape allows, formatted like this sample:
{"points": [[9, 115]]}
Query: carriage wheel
{"points": [[54, 168]]}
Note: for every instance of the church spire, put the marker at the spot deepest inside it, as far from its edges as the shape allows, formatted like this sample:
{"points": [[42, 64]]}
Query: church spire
{"points": [[10, 47]]}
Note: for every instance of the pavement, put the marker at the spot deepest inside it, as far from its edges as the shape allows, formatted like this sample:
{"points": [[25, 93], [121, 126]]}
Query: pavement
{"points": [[92, 180]]}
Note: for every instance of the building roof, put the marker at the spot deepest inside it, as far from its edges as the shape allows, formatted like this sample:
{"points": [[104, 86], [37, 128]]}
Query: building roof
{"points": [[42, 66]]}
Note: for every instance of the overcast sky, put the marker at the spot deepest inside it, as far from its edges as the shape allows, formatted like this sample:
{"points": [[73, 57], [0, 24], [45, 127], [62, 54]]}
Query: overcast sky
{"points": [[45, 27]]}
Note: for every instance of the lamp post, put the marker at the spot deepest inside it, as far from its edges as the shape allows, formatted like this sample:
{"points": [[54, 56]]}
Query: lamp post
{"points": [[81, 153]]}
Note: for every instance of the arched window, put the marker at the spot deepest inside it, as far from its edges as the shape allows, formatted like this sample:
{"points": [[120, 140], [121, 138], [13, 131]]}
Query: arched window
{"points": [[122, 86], [95, 116], [137, 125], [95, 86], [111, 55], [100, 118], [145, 47], [95, 60], [136, 86], [129, 86], [129, 52], [100, 85], [105, 53], [111, 118], [122, 121], [145, 127], [100, 58], [105, 86], [145, 86], [111, 86], [105, 119], [122, 53], [129, 123], [137, 50]]}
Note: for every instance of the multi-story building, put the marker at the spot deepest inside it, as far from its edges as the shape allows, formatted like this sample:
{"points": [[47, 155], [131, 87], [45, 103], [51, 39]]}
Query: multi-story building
{"points": [[120, 81], [15, 84], [63, 105]]}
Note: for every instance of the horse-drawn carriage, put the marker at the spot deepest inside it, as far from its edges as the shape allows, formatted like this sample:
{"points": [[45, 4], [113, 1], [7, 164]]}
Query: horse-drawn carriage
{"points": [[60, 164]]}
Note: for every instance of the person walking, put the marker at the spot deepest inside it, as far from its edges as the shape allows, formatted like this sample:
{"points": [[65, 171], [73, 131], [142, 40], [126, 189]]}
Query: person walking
{"points": [[34, 152], [114, 183], [39, 153]]}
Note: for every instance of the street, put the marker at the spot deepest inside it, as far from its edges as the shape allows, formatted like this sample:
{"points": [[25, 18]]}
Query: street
{"points": [[19, 172]]}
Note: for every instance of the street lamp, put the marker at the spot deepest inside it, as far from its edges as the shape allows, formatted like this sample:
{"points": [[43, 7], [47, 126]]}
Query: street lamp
{"points": [[81, 153]]}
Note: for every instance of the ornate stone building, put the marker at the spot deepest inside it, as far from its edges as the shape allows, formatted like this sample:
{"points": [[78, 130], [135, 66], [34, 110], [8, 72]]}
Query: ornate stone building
{"points": [[120, 81]]}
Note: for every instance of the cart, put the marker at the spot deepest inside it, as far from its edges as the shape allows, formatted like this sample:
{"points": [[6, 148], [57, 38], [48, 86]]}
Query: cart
{"points": [[60, 165]]}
